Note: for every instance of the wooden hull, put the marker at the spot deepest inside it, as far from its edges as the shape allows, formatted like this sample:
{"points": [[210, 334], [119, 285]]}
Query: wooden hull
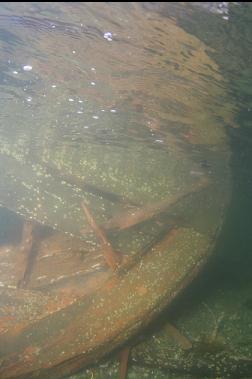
{"points": [[58, 324]]}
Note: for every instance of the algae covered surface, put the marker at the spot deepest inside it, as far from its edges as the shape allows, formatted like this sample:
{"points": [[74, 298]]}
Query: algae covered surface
{"points": [[215, 314], [95, 124], [219, 329], [134, 126]]}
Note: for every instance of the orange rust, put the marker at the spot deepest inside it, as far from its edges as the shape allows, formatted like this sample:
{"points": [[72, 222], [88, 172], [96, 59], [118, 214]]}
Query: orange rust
{"points": [[169, 237], [142, 290], [14, 364], [3, 330], [24, 254], [120, 323], [31, 350], [16, 330], [7, 318], [70, 293], [112, 258], [124, 359], [110, 284], [5, 323], [53, 306], [137, 215]]}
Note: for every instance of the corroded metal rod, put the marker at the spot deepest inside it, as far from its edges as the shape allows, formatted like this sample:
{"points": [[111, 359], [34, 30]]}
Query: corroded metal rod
{"points": [[124, 360], [136, 216], [24, 254], [112, 258]]}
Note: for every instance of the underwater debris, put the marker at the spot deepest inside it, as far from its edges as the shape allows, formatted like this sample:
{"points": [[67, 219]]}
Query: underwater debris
{"points": [[112, 258]]}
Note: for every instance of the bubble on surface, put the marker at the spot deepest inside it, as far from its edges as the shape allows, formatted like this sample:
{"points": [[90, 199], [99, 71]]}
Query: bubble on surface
{"points": [[27, 68], [108, 36]]}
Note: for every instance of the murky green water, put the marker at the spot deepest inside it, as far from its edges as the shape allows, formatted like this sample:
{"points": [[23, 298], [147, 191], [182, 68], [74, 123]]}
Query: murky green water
{"points": [[125, 106]]}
